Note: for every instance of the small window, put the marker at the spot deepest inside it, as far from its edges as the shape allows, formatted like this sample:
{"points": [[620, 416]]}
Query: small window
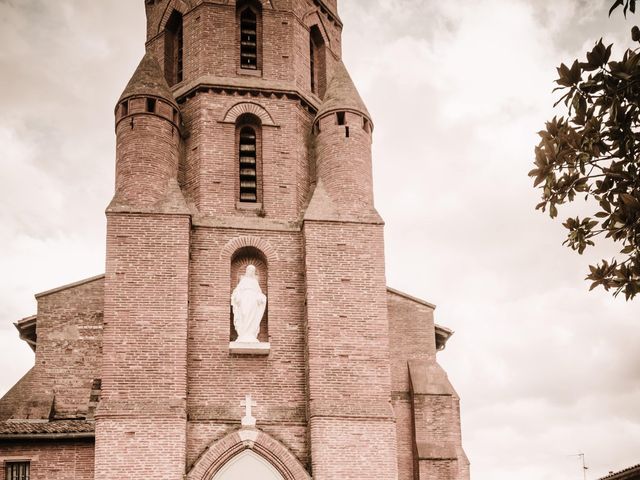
{"points": [[17, 471], [248, 39], [341, 120], [151, 105], [312, 64], [365, 125], [248, 165], [124, 109], [317, 61], [174, 49]]}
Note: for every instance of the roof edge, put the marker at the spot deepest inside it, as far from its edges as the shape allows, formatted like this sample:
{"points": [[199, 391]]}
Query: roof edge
{"points": [[69, 285], [412, 298], [27, 330], [46, 436], [623, 474], [443, 334]]}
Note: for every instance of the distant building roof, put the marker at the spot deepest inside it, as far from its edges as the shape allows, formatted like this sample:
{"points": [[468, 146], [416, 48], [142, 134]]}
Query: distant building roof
{"points": [[630, 473]]}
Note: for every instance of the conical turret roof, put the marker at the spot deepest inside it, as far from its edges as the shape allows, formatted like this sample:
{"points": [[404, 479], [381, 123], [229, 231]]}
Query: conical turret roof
{"points": [[148, 80], [342, 94]]}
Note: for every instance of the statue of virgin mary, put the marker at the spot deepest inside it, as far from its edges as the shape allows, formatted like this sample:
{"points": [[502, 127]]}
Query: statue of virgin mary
{"points": [[248, 304]]}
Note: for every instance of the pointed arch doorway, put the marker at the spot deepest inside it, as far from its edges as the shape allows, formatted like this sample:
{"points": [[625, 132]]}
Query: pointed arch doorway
{"points": [[248, 466], [247, 454]]}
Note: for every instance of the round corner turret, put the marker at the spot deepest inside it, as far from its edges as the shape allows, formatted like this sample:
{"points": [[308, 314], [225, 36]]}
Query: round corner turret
{"points": [[147, 121], [342, 132]]}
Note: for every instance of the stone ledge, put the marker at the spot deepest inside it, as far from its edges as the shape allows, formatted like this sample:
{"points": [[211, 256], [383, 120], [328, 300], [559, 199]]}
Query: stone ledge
{"points": [[249, 348]]}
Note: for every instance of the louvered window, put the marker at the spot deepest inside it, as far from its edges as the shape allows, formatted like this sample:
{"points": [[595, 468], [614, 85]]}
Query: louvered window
{"points": [[248, 39], [17, 471], [248, 165]]}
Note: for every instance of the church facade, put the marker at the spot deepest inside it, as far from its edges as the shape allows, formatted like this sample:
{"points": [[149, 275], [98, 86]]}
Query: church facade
{"points": [[243, 327]]}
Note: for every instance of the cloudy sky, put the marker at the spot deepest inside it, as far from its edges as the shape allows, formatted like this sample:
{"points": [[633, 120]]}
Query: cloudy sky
{"points": [[457, 89]]}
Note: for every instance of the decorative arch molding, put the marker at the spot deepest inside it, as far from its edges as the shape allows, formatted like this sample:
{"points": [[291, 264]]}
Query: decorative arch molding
{"points": [[252, 108], [312, 18], [222, 451], [178, 5], [249, 241]]}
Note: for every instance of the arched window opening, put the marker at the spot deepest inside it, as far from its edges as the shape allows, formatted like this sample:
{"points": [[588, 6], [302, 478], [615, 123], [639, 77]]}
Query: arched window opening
{"points": [[249, 18], [317, 62], [249, 161], [312, 64], [240, 260], [174, 49]]}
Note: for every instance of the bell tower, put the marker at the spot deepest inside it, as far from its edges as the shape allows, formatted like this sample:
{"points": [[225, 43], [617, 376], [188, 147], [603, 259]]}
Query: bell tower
{"points": [[242, 140]]}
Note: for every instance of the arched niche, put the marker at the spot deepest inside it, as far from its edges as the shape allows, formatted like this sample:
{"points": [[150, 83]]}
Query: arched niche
{"points": [[242, 258], [248, 465]]}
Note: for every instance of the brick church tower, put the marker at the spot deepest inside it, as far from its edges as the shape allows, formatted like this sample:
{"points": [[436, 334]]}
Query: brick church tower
{"points": [[242, 143]]}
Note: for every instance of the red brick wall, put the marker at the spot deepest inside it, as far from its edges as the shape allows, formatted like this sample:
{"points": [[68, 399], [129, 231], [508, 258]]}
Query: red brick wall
{"points": [[211, 39], [141, 419], [427, 420], [211, 168], [351, 423], [218, 381], [60, 460], [69, 329]]}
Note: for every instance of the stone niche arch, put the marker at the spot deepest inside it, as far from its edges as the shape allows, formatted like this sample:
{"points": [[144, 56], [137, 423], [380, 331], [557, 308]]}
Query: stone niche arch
{"points": [[254, 446], [241, 258], [252, 108]]}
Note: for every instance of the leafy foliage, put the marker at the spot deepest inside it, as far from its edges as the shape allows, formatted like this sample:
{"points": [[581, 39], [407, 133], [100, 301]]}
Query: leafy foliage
{"points": [[594, 151], [629, 5]]}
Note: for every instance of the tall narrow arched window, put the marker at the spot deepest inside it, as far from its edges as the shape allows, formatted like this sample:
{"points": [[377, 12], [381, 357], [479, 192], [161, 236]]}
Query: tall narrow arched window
{"points": [[174, 49], [248, 134], [249, 18], [312, 64], [317, 62]]}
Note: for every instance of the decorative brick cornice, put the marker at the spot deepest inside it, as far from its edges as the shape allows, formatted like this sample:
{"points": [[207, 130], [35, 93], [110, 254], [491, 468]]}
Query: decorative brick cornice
{"points": [[244, 87]]}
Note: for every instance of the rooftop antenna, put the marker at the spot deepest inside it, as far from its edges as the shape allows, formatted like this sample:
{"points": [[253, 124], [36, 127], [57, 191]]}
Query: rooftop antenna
{"points": [[584, 466]]}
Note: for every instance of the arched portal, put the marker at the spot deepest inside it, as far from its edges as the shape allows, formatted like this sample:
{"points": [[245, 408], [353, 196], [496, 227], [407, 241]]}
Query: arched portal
{"points": [[248, 465], [220, 457]]}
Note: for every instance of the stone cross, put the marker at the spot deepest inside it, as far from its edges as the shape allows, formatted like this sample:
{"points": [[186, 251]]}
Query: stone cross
{"points": [[248, 420]]}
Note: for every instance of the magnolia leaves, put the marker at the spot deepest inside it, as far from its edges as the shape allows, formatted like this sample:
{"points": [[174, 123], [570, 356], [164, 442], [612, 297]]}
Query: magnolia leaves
{"points": [[594, 152]]}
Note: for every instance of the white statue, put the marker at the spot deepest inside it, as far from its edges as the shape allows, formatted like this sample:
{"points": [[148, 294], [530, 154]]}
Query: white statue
{"points": [[248, 304]]}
